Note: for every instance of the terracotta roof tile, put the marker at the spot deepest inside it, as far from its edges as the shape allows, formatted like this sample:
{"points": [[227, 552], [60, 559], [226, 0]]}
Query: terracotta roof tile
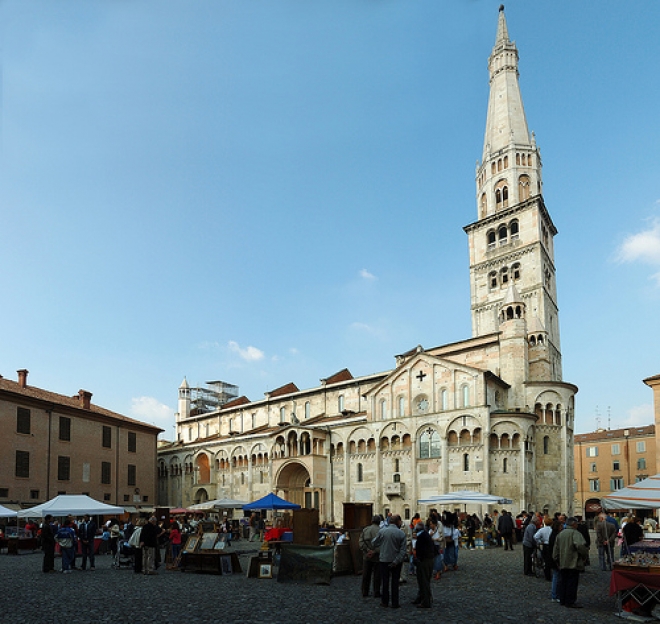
{"points": [[286, 389], [52, 399], [342, 375]]}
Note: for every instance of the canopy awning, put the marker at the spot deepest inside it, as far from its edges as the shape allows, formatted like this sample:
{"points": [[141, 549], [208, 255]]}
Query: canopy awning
{"points": [[642, 495], [270, 501], [466, 497], [74, 504]]}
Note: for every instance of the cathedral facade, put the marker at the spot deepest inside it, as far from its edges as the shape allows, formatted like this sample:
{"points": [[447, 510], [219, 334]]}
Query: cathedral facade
{"points": [[489, 413]]}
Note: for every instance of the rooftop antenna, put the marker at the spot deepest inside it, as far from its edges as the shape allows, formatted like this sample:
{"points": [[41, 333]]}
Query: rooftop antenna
{"points": [[597, 419], [609, 416]]}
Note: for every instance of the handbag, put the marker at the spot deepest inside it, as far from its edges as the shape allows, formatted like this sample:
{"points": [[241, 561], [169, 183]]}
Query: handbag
{"points": [[65, 542]]}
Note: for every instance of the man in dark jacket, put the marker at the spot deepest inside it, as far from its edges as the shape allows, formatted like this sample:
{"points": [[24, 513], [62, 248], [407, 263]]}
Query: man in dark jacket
{"points": [[370, 558], [48, 544], [424, 555], [86, 535], [149, 543], [505, 529]]}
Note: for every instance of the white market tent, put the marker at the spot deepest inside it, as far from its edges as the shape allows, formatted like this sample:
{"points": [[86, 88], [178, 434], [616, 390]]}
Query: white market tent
{"points": [[74, 504], [5, 512], [220, 503], [642, 495], [465, 497]]}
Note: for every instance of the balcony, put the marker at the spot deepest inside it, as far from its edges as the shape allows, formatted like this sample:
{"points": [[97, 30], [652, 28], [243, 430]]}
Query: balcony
{"points": [[395, 489]]}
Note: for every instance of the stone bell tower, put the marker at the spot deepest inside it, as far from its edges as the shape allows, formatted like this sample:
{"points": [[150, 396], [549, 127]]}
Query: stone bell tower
{"points": [[512, 240]]}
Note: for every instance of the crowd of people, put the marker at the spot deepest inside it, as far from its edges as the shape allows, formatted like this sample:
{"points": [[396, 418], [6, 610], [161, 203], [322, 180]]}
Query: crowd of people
{"points": [[142, 542], [555, 547]]}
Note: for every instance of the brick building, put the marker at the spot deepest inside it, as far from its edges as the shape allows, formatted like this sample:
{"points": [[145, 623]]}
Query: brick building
{"points": [[53, 444], [608, 460]]}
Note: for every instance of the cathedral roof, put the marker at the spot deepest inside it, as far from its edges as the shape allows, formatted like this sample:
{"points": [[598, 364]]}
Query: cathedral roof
{"points": [[342, 375]]}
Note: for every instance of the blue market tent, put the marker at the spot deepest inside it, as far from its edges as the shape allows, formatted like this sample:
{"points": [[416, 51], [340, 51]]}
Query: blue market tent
{"points": [[270, 501]]}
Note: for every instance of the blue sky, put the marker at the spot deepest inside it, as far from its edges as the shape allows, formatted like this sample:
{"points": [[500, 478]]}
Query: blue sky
{"points": [[270, 191]]}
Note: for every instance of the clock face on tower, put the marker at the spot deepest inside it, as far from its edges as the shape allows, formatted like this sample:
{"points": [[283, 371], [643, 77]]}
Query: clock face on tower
{"points": [[422, 405]]}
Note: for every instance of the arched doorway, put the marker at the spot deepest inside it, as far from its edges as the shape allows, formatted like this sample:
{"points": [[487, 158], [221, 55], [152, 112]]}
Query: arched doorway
{"points": [[201, 496], [295, 484]]}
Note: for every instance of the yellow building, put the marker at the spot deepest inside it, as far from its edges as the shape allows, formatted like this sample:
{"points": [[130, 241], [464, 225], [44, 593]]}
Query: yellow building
{"points": [[608, 460], [53, 444]]}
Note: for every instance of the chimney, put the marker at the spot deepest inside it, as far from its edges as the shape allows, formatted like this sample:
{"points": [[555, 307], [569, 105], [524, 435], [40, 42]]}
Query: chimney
{"points": [[22, 377], [85, 398]]}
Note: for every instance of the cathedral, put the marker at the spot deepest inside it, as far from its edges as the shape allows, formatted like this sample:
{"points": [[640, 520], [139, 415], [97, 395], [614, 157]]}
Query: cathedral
{"points": [[489, 413]]}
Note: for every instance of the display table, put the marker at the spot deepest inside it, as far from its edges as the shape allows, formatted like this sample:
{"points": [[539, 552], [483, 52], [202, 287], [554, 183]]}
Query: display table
{"points": [[640, 583], [210, 562], [276, 534]]}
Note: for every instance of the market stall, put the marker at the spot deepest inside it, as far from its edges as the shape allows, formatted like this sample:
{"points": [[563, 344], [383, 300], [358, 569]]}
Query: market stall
{"points": [[635, 579]]}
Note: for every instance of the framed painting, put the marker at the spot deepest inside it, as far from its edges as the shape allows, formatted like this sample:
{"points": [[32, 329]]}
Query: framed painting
{"points": [[265, 570], [207, 541], [191, 544]]}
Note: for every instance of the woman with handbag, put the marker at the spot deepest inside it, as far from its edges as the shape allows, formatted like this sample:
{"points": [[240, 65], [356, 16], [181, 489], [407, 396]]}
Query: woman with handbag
{"points": [[65, 537]]}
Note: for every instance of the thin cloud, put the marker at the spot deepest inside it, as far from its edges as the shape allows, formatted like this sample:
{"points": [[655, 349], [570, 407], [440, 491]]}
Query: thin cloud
{"points": [[364, 327], [249, 354], [639, 415], [364, 274], [150, 410], [643, 247]]}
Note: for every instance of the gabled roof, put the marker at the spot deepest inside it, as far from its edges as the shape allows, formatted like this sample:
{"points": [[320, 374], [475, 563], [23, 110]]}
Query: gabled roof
{"points": [[286, 389], [52, 400], [342, 375], [408, 363], [241, 400]]}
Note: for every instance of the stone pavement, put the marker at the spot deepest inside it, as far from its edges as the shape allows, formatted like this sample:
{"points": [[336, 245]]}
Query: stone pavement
{"points": [[489, 586]]}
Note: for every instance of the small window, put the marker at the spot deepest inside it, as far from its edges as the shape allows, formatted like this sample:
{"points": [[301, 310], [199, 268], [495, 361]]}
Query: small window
{"points": [[594, 485], [514, 228], [22, 469], [105, 473], [592, 451], [466, 462], [360, 473], [396, 465], [402, 407], [34, 494], [505, 465], [383, 409], [308, 409], [65, 429], [4, 492], [443, 399], [641, 463], [616, 483], [106, 497], [466, 396], [126, 498], [132, 442], [546, 445], [145, 499], [340, 403], [515, 271], [132, 472], [282, 414], [22, 420], [63, 468], [107, 437], [593, 467], [616, 449], [616, 466], [641, 446]]}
